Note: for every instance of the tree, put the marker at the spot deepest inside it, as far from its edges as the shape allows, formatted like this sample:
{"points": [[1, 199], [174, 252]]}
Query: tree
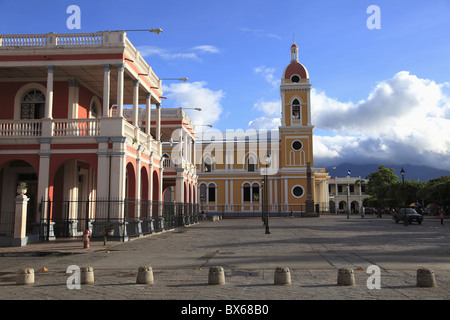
{"points": [[380, 184]]}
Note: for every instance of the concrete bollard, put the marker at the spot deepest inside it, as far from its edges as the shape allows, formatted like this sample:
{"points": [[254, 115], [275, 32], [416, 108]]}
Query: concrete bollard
{"points": [[282, 276], [216, 275], [25, 276], [425, 278], [346, 277], [145, 275], [87, 275]]}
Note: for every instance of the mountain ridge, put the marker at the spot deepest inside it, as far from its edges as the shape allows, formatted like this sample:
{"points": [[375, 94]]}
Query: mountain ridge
{"points": [[412, 172]]}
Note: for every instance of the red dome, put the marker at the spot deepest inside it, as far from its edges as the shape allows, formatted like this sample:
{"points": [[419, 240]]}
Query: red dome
{"points": [[295, 68]]}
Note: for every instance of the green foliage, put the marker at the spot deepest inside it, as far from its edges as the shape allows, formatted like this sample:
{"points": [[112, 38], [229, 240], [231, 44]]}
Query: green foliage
{"points": [[387, 190]]}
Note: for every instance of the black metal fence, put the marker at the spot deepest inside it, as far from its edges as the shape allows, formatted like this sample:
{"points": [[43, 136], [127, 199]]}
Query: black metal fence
{"points": [[255, 210], [7, 224], [112, 219]]}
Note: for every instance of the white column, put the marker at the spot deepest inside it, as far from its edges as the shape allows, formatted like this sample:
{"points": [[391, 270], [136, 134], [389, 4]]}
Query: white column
{"points": [[44, 172], [158, 122], [136, 103], [106, 89], [120, 80], [148, 113], [179, 186], [49, 99]]}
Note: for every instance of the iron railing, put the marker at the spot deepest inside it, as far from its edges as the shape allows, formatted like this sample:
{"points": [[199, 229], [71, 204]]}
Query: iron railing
{"points": [[114, 219]]}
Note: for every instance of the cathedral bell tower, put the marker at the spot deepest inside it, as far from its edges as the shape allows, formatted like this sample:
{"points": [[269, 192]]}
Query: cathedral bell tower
{"points": [[296, 130]]}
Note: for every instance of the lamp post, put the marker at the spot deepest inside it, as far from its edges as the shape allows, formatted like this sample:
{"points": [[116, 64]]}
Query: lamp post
{"points": [[403, 193], [179, 79], [153, 30], [265, 204]]}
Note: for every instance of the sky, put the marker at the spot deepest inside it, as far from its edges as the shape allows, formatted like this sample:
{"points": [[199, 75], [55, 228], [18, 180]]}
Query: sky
{"points": [[378, 94]]}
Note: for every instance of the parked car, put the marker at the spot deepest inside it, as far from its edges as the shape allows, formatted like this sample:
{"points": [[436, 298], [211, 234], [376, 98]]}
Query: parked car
{"points": [[407, 215]]}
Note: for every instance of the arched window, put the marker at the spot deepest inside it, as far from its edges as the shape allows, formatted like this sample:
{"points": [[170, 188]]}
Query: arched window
{"points": [[247, 192], [32, 105], [296, 109], [94, 110], [250, 164], [203, 192], [255, 192], [211, 193], [207, 165]]}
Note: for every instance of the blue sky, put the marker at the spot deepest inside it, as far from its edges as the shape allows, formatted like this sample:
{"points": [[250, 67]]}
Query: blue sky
{"points": [[379, 95]]}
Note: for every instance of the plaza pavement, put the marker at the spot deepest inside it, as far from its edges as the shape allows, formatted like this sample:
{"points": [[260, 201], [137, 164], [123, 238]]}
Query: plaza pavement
{"points": [[312, 248]]}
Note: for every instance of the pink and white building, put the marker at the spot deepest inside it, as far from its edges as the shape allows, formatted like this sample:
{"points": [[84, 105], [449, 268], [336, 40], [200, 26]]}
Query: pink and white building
{"points": [[63, 129]]}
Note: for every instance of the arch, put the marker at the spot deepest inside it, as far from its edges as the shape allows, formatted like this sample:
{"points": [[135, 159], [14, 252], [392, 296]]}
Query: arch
{"points": [[209, 164], [20, 94], [212, 192], [95, 108], [130, 190], [203, 191], [144, 183], [296, 109], [156, 185], [246, 161], [12, 172]]}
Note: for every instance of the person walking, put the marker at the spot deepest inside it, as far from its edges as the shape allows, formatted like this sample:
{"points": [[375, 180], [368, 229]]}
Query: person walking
{"points": [[441, 215]]}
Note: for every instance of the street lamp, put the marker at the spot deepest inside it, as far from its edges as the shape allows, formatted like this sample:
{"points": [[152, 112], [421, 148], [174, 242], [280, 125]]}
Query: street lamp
{"points": [[179, 79], [154, 30], [403, 193], [265, 204]]}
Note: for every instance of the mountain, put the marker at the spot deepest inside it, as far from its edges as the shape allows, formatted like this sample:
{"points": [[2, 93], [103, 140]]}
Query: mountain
{"points": [[412, 172]]}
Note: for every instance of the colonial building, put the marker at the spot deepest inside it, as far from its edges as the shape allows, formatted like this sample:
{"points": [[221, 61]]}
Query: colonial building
{"points": [[347, 194], [239, 171], [63, 133]]}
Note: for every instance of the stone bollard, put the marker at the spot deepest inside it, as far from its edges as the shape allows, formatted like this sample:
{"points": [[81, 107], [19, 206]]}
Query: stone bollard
{"points": [[25, 276], [87, 275], [216, 275], [282, 276], [145, 275], [425, 278], [346, 277]]}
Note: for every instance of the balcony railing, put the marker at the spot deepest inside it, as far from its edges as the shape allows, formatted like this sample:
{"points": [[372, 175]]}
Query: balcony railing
{"points": [[76, 128], [20, 128], [60, 128]]}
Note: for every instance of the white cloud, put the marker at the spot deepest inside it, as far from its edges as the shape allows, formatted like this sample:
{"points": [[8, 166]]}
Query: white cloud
{"points": [[147, 51], [207, 49], [405, 119], [267, 74], [197, 95], [270, 112], [259, 33]]}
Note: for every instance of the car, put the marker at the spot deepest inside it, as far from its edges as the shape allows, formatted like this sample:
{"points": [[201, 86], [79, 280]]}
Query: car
{"points": [[407, 215]]}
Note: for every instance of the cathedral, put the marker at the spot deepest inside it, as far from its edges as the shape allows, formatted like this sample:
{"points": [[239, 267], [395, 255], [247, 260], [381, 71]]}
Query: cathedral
{"points": [[245, 173]]}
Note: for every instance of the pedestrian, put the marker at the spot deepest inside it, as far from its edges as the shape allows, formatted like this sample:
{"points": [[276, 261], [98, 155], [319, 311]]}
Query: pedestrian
{"points": [[441, 215]]}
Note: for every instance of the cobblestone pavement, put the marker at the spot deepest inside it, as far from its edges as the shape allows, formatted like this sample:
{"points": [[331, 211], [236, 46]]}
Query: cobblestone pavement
{"points": [[312, 248]]}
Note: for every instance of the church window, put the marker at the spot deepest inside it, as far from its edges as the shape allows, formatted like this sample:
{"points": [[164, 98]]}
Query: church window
{"points": [[296, 109], [298, 191], [247, 192], [250, 164], [255, 192], [296, 145], [212, 193], [295, 78], [208, 165]]}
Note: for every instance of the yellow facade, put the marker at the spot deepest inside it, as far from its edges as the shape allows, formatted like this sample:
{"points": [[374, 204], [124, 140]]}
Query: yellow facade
{"points": [[231, 166]]}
